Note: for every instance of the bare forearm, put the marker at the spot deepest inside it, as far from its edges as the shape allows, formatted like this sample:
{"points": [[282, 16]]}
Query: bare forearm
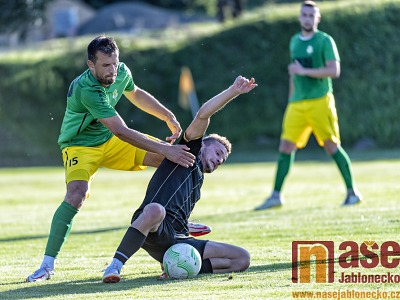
{"points": [[146, 102], [216, 103], [175, 153], [331, 69], [149, 104], [141, 141], [321, 72], [200, 123]]}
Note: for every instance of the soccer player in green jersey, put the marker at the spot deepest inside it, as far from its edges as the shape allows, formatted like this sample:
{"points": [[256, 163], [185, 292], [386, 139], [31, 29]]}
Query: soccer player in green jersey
{"points": [[311, 107], [93, 135]]}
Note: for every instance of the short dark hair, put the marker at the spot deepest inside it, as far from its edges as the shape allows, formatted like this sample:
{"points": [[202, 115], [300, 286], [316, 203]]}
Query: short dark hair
{"points": [[309, 3], [101, 43], [213, 137]]}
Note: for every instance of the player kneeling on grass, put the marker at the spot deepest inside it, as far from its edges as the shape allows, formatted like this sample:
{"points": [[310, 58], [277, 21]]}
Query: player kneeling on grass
{"points": [[162, 218]]}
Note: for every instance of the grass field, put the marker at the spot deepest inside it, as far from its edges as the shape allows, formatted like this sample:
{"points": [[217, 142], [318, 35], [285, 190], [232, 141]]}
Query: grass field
{"points": [[314, 192]]}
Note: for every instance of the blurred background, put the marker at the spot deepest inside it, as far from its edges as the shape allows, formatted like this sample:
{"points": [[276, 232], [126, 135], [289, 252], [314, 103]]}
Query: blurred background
{"points": [[43, 48]]}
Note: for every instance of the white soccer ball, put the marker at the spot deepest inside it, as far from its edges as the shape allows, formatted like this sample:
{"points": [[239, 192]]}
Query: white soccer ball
{"points": [[182, 261]]}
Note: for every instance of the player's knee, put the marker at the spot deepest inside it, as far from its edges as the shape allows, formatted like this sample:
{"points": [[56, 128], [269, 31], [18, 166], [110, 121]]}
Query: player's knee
{"points": [[153, 159], [286, 146], [155, 212], [243, 261], [76, 195], [330, 147]]}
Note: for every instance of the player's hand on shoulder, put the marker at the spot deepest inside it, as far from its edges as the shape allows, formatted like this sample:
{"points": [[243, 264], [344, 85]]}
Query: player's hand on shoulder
{"points": [[243, 85], [179, 154]]}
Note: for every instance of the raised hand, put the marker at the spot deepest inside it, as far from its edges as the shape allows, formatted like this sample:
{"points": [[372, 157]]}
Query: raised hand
{"points": [[243, 85], [175, 128]]}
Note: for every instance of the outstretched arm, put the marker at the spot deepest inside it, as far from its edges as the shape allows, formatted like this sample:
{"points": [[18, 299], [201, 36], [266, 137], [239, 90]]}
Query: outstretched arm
{"points": [[176, 153], [201, 121], [146, 102]]}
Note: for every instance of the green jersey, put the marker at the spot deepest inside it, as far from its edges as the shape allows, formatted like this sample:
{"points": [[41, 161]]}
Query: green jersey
{"points": [[312, 53], [88, 101]]}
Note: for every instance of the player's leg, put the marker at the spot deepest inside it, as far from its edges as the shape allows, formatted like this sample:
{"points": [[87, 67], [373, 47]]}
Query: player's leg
{"points": [[287, 152], [121, 155], [80, 165], [295, 134], [152, 159], [221, 4], [343, 163], [326, 129], [237, 8], [225, 258], [148, 221]]}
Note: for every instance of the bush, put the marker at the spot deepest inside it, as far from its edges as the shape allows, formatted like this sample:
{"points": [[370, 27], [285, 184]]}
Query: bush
{"points": [[33, 97]]}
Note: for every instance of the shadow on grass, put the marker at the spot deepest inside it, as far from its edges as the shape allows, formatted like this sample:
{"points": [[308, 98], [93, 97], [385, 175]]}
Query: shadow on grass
{"points": [[35, 237], [75, 287], [103, 230], [270, 268], [94, 285]]}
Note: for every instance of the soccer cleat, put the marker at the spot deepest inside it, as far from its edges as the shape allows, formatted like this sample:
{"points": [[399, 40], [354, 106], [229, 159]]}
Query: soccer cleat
{"points": [[352, 198], [42, 274], [196, 229], [275, 200], [112, 274]]}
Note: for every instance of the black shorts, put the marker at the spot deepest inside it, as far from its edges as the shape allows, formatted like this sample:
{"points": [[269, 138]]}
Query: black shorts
{"points": [[158, 242]]}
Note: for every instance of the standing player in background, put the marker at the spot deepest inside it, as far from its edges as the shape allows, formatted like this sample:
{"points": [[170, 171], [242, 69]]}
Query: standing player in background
{"points": [[311, 107], [93, 135], [235, 6]]}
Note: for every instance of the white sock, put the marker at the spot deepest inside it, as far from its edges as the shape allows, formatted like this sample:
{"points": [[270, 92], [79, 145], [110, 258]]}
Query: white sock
{"points": [[276, 194], [118, 263], [49, 261]]}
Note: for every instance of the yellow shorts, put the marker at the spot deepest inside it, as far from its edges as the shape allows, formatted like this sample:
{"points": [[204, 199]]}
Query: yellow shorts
{"points": [[317, 116], [81, 163]]}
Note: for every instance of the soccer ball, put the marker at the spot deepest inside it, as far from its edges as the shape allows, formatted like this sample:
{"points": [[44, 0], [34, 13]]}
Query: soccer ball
{"points": [[182, 261]]}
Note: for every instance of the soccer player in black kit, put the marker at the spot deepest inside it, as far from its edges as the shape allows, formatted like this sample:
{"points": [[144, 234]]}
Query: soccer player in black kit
{"points": [[161, 220]]}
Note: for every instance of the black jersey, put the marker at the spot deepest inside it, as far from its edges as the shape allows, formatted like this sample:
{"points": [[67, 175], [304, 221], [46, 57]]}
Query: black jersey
{"points": [[176, 188]]}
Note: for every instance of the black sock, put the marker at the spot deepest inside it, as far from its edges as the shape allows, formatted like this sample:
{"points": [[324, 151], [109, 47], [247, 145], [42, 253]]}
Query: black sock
{"points": [[130, 244]]}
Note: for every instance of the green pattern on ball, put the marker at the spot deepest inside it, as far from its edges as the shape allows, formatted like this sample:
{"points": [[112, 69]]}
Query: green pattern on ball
{"points": [[182, 261]]}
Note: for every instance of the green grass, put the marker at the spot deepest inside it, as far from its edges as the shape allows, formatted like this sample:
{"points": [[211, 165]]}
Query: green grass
{"points": [[314, 192]]}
